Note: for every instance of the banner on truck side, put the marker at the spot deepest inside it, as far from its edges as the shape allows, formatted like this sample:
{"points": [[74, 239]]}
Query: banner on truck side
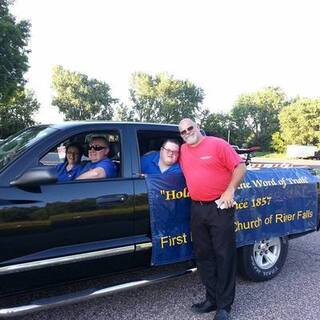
{"points": [[270, 203], [169, 203]]}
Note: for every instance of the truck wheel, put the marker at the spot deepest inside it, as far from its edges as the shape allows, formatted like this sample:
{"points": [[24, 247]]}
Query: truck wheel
{"points": [[264, 259]]}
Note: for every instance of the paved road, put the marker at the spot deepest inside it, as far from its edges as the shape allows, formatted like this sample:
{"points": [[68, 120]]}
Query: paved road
{"points": [[294, 294]]}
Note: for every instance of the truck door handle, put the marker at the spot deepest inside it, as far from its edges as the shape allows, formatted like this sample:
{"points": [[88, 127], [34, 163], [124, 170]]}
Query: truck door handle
{"points": [[115, 198], [138, 175]]}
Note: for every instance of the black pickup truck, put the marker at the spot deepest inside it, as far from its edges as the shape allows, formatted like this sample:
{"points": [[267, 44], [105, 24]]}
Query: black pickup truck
{"points": [[56, 231]]}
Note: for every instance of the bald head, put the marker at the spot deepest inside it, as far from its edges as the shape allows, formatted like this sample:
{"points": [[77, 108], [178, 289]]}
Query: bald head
{"points": [[187, 121]]}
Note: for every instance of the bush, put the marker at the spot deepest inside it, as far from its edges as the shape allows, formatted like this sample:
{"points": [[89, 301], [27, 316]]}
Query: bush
{"points": [[277, 143]]}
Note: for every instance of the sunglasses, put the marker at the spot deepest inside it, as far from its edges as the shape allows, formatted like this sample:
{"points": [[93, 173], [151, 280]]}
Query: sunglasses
{"points": [[189, 129], [95, 148]]}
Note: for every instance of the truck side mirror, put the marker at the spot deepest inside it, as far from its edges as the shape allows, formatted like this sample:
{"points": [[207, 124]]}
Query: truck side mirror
{"points": [[35, 177]]}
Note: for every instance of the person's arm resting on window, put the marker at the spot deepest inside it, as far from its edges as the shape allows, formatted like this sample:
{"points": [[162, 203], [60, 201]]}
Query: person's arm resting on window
{"points": [[96, 173]]}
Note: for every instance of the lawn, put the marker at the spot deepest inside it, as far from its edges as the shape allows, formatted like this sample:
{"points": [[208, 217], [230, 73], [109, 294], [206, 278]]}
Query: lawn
{"points": [[270, 155]]}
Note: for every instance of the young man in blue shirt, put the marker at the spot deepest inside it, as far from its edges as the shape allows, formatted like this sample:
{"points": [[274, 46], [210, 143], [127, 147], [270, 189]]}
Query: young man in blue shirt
{"points": [[163, 161], [100, 166]]}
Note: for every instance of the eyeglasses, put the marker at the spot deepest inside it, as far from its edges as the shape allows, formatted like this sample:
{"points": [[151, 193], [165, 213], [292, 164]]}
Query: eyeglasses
{"points": [[174, 152], [189, 129], [95, 148]]}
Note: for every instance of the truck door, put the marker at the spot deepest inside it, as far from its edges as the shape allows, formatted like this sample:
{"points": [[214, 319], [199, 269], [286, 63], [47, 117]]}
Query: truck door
{"points": [[93, 218]]}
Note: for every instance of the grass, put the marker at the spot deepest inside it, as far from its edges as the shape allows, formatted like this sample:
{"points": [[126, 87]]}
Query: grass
{"points": [[270, 155]]}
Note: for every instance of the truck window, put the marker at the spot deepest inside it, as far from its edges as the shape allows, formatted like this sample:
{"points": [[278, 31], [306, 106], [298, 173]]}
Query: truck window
{"points": [[11, 147], [57, 154], [151, 140]]}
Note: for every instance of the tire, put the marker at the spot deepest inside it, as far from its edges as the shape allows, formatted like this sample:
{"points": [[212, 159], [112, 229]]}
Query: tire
{"points": [[264, 259]]}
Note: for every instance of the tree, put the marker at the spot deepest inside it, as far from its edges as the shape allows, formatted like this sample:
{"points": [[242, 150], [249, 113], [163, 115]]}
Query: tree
{"points": [[17, 113], [255, 116], [300, 122], [17, 105], [277, 142], [14, 38], [81, 98], [216, 124], [164, 99], [123, 113]]}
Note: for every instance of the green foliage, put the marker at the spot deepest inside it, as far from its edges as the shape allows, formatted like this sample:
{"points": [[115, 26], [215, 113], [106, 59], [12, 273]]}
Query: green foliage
{"points": [[255, 116], [163, 98], [216, 124], [14, 38], [300, 122], [17, 105], [277, 142], [17, 113], [81, 98], [123, 113]]}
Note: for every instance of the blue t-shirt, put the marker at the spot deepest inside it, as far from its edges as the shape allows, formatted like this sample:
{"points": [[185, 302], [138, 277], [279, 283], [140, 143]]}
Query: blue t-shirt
{"points": [[106, 164], [64, 175], [150, 164]]}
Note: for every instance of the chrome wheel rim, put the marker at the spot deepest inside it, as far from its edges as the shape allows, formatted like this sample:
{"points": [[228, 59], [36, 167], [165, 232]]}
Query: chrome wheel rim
{"points": [[267, 252]]}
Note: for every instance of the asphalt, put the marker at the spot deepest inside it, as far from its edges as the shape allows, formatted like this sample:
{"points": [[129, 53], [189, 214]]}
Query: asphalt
{"points": [[293, 294]]}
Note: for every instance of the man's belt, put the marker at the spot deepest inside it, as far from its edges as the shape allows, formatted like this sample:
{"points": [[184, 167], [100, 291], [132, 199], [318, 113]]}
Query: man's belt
{"points": [[205, 203]]}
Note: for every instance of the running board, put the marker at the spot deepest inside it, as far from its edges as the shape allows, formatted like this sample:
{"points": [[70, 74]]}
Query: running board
{"points": [[79, 296]]}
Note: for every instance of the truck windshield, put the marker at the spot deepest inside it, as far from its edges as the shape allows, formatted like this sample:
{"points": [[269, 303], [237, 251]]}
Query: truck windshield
{"points": [[17, 143]]}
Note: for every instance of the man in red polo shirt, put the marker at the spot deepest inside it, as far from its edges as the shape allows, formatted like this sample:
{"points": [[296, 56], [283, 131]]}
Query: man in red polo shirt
{"points": [[213, 171]]}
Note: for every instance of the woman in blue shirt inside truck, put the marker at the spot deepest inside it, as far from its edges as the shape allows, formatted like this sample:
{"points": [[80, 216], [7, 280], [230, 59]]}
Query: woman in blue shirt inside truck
{"points": [[163, 161], [71, 167]]}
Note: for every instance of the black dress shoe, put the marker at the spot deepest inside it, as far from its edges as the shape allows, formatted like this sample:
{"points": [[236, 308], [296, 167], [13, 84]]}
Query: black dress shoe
{"points": [[222, 315], [203, 307]]}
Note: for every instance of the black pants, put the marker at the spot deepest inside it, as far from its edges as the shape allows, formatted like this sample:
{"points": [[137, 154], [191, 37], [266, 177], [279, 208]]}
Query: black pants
{"points": [[214, 246]]}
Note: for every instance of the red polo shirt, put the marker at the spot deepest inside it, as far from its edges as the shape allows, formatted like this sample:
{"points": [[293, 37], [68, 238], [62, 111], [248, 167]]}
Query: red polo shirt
{"points": [[208, 167]]}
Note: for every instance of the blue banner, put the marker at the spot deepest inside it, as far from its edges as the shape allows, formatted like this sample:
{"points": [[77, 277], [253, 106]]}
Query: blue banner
{"points": [[270, 203], [169, 202], [275, 202]]}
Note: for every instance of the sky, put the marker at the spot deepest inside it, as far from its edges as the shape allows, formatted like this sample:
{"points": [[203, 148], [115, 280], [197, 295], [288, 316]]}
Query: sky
{"points": [[227, 47]]}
